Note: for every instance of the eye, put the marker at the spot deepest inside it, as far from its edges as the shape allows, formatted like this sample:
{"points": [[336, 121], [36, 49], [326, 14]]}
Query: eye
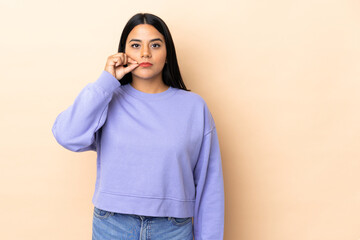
{"points": [[156, 45], [135, 45]]}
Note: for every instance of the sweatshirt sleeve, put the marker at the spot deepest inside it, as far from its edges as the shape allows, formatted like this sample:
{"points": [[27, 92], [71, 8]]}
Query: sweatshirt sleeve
{"points": [[75, 128], [210, 198]]}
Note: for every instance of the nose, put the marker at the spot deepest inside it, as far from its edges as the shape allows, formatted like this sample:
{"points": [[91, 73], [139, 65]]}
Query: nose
{"points": [[145, 52]]}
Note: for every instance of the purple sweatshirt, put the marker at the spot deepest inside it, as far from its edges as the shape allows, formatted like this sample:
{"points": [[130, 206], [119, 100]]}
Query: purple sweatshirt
{"points": [[157, 154]]}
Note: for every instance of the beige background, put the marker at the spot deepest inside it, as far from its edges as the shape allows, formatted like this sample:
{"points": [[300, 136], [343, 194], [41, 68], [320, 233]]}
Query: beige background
{"points": [[281, 78]]}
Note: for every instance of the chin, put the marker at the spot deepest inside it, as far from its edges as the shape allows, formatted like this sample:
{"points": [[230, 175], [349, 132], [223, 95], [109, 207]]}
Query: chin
{"points": [[144, 75]]}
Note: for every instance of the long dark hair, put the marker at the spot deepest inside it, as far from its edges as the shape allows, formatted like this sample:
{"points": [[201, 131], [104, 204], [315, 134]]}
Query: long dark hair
{"points": [[171, 73]]}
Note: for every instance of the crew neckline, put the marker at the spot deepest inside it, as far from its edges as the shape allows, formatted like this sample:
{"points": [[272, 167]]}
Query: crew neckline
{"points": [[129, 89]]}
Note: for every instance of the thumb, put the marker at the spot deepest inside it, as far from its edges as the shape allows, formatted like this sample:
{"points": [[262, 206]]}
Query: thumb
{"points": [[130, 67]]}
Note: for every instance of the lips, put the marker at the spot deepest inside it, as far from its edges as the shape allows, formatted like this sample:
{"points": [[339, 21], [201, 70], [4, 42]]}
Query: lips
{"points": [[145, 64]]}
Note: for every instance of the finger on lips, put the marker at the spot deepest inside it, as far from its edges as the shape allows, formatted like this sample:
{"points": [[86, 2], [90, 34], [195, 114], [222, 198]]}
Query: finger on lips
{"points": [[123, 59], [131, 60]]}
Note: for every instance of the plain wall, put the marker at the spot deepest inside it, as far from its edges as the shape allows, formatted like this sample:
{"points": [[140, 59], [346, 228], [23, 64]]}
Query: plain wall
{"points": [[281, 78]]}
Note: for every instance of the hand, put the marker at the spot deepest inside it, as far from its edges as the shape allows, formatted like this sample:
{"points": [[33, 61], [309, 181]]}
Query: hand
{"points": [[115, 65]]}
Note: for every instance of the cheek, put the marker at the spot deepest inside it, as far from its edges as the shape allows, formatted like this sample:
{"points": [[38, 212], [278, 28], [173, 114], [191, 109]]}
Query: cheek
{"points": [[129, 54], [162, 57]]}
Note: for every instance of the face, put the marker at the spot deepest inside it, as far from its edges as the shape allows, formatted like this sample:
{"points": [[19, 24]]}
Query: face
{"points": [[146, 44]]}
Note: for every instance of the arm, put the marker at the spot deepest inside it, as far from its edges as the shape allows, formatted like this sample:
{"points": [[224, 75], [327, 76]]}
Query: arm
{"points": [[210, 199], [76, 127]]}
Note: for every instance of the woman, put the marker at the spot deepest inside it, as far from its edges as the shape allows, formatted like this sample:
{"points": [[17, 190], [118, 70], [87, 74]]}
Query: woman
{"points": [[158, 156]]}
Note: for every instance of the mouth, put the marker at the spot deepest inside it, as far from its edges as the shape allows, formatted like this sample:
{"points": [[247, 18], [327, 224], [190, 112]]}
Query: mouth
{"points": [[145, 64]]}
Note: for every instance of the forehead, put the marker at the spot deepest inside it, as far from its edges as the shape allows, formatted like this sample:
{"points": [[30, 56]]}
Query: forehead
{"points": [[144, 32]]}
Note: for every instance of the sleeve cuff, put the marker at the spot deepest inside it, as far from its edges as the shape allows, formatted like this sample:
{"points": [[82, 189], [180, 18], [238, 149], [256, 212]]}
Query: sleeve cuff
{"points": [[107, 82]]}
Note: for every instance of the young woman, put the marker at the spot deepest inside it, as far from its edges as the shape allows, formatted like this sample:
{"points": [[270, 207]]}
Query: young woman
{"points": [[158, 156]]}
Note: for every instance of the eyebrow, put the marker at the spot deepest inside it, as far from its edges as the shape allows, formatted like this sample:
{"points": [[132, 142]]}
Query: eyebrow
{"points": [[152, 40]]}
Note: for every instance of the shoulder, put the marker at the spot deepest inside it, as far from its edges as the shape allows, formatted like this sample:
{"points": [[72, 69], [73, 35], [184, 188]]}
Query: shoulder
{"points": [[198, 102], [193, 97]]}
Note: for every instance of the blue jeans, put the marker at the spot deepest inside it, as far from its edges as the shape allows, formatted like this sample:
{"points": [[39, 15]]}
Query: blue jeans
{"points": [[118, 226]]}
